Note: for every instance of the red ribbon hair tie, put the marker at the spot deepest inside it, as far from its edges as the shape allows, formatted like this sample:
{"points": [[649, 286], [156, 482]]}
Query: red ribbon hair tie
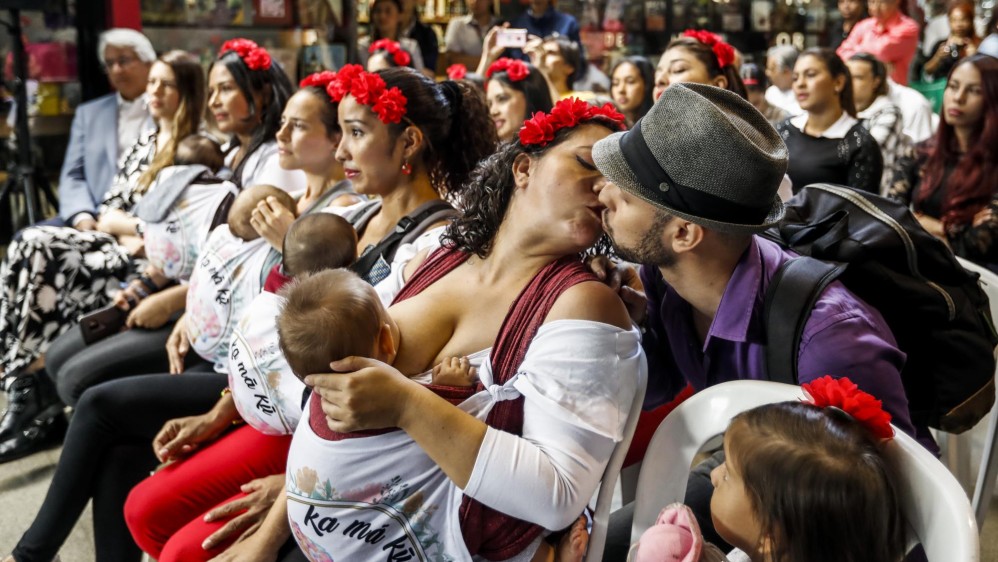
{"points": [[368, 89], [843, 394], [724, 52], [569, 112], [516, 69], [254, 56], [399, 55]]}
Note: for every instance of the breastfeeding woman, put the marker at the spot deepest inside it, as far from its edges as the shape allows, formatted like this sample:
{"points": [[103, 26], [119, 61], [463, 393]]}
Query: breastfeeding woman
{"points": [[247, 92]]}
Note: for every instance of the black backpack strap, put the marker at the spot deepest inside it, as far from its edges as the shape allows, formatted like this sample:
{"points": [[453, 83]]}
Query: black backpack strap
{"points": [[416, 220], [792, 293]]}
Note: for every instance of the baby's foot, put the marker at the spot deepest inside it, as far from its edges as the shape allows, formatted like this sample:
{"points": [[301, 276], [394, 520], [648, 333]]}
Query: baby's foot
{"points": [[572, 546]]}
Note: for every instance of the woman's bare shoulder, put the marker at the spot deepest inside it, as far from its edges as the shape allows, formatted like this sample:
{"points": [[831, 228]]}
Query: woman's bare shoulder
{"points": [[591, 300]]}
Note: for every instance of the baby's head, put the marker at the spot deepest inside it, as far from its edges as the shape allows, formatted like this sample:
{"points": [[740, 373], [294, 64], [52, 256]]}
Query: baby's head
{"points": [[802, 482], [242, 208], [318, 241], [332, 315], [199, 149]]}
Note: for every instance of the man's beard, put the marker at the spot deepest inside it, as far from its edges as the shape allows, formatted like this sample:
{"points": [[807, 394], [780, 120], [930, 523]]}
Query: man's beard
{"points": [[649, 250]]}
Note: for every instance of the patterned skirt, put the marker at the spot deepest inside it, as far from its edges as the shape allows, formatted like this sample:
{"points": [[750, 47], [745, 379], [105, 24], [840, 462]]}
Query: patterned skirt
{"points": [[49, 278]]}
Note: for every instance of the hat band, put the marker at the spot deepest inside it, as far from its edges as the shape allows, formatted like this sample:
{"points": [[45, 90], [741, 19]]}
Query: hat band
{"points": [[661, 187]]}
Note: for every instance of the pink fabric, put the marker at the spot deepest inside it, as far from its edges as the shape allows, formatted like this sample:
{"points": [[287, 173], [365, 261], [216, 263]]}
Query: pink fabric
{"points": [[893, 43], [675, 537]]}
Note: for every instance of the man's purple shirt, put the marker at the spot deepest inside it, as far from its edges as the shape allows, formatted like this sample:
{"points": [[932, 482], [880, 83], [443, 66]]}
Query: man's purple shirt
{"points": [[843, 337]]}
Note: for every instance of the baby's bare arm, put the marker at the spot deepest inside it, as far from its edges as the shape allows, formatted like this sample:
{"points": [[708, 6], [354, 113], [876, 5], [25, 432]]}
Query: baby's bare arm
{"points": [[455, 371]]}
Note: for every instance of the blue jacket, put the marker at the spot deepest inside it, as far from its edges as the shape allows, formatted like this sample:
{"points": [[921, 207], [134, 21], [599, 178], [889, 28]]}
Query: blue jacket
{"points": [[91, 158]]}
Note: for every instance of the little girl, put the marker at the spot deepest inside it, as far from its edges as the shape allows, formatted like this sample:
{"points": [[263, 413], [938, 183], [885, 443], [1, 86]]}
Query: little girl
{"points": [[802, 481]]}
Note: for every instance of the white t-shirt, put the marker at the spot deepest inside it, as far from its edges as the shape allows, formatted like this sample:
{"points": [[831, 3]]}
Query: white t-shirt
{"points": [[578, 379], [263, 167]]}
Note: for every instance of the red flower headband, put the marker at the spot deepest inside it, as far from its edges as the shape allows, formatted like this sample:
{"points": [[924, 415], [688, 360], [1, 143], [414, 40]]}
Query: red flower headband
{"points": [[516, 69], [368, 89], [569, 112], [457, 71], [318, 79], [846, 396], [724, 52], [399, 55], [254, 56]]}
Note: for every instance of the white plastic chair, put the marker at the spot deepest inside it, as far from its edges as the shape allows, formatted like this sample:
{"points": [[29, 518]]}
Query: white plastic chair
{"points": [[933, 502], [608, 484], [988, 469]]}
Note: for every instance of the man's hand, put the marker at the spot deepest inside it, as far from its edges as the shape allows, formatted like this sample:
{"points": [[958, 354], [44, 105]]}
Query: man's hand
{"points": [[624, 279]]}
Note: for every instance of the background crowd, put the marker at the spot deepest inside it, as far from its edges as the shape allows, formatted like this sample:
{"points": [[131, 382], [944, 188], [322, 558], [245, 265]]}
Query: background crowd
{"points": [[191, 209]]}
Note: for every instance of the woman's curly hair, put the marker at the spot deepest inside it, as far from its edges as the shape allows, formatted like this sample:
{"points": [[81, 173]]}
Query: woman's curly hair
{"points": [[485, 200]]}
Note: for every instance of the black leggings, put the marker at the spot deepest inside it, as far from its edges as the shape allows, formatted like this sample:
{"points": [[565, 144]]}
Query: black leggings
{"points": [[75, 366], [108, 450]]}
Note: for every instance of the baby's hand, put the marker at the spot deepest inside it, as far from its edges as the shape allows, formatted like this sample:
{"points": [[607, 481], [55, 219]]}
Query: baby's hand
{"points": [[455, 371]]}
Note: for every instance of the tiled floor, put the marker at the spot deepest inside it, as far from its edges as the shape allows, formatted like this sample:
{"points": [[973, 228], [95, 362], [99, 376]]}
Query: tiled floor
{"points": [[23, 484]]}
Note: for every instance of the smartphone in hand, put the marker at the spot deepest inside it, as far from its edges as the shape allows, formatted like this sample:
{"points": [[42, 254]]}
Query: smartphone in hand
{"points": [[512, 38], [102, 323]]}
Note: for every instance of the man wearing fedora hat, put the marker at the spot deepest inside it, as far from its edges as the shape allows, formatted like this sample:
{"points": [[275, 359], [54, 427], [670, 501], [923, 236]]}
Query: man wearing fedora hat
{"points": [[688, 188]]}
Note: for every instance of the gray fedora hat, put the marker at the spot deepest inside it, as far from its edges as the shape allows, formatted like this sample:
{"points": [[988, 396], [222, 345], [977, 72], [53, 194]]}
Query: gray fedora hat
{"points": [[703, 154]]}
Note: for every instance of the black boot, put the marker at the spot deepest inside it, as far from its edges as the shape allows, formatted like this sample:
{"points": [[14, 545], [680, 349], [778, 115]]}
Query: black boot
{"points": [[33, 419]]}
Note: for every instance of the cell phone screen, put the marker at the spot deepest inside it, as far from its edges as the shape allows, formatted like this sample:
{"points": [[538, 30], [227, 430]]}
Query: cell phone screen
{"points": [[514, 38]]}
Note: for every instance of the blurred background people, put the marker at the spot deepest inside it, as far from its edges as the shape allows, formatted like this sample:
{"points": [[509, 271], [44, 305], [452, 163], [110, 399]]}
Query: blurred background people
{"points": [[827, 144], [756, 84], [877, 112], [632, 81], [887, 34], [780, 62]]}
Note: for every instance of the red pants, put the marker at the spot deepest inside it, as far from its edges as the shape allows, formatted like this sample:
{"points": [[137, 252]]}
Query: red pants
{"points": [[165, 511]]}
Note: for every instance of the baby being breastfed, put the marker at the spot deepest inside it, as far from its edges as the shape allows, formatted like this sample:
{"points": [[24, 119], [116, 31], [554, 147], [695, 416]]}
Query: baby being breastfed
{"points": [[335, 314]]}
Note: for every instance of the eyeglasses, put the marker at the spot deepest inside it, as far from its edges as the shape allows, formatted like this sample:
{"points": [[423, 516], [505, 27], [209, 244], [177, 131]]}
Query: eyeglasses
{"points": [[108, 64]]}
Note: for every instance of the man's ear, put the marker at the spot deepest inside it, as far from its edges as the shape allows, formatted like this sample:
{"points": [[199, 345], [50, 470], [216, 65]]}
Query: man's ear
{"points": [[521, 170], [685, 235]]}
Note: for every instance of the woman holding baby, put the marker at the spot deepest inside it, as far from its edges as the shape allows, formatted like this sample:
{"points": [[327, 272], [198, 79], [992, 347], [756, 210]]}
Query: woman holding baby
{"points": [[401, 164], [496, 472]]}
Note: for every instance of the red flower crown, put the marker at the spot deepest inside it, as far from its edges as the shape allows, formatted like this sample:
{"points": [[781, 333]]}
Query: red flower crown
{"points": [[457, 71], [254, 56], [724, 52], [516, 69], [846, 396], [569, 112], [318, 79], [399, 55], [368, 89]]}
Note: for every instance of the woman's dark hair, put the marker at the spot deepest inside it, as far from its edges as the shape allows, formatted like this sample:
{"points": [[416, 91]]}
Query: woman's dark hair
{"points": [[375, 32], [486, 198], [329, 110], [534, 88], [877, 68], [454, 120], [271, 86], [647, 73], [836, 67], [706, 56], [971, 186], [754, 77], [189, 77], [812, 473], [572, 53]]}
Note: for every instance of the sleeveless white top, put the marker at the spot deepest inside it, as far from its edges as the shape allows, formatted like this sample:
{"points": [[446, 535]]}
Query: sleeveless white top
{"points": [[266, 392], [226, 277], [173, 244]]}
